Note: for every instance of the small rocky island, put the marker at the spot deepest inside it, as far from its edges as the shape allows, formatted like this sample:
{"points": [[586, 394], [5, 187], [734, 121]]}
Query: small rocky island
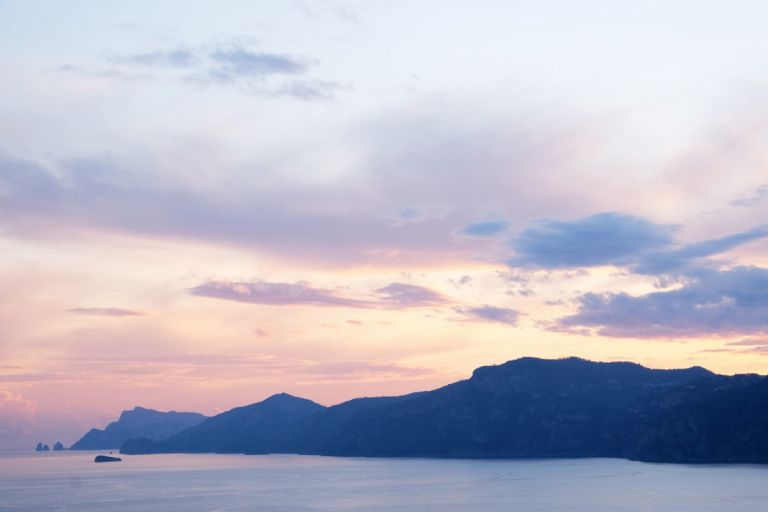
{"points": [[106, 458]]}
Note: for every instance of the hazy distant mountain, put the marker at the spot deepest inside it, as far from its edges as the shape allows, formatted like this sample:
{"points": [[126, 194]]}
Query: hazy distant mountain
{"points": [[254, 428], [524, 408], [138, 422]]}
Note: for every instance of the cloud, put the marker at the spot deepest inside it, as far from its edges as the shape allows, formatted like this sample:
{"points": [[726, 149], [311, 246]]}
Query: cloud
{"points": [[617, 239], [397, 295], [412, 215], [410, 295], [722, 303], [173, 58], [488, 228], [751, 342], [110, 73], [13, 407], [233, 60], [491, 314], [461, 282], [758, 197], [236, 62], [673, 260], [205, 366], [337, 10], [363, 369], [41, 199], [105, 312], [517, 282], [602, 239], [275, 294], [309, 89]]}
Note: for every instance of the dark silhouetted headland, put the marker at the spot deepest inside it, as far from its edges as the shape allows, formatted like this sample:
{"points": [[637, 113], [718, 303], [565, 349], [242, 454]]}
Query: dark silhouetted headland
{"points": [[527, 408], [255, 428], [138, 422]]}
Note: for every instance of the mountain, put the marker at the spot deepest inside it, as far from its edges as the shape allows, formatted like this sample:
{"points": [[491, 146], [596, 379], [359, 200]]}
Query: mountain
{"points": [[523, 408], [138, 422], [255, 428]]}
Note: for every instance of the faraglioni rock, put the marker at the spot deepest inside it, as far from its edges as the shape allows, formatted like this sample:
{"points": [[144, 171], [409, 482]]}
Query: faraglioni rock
{"points": [[524, 408], [138, 422], [58, 447]]}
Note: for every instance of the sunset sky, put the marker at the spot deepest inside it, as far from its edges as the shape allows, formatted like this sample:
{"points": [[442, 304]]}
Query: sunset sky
{"points": [[205, 203]]}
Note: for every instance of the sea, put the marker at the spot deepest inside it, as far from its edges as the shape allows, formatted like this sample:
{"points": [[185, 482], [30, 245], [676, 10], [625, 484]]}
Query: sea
{"points": [[71, 481]]}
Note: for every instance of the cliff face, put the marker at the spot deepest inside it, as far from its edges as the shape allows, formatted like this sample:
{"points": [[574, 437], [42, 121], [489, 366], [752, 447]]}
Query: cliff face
{"points": [[524, 408], [138, 422]]}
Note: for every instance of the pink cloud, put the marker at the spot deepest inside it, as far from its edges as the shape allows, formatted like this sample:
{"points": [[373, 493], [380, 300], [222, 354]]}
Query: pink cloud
{"points": [[104, 312]]}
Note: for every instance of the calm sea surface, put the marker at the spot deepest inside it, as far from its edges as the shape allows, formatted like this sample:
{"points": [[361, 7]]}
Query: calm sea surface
{"points": [[71, 481]]}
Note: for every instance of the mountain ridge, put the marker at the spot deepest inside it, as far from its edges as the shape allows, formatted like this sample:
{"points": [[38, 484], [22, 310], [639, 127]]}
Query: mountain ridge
{"points": [[524, 408]]}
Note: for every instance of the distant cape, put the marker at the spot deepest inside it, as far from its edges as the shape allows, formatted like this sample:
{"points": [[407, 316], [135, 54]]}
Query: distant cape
{"points": [[138, 422], [525, 408]]}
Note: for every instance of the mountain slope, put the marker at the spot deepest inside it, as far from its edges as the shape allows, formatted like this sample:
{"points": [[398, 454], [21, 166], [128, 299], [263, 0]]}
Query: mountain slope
{"points": [[717, 420], [254, 428], [138, 422]]}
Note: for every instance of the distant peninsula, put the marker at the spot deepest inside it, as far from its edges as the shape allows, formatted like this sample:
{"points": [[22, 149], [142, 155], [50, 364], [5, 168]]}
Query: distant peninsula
{"points": [[526, 408], [138, 422]]}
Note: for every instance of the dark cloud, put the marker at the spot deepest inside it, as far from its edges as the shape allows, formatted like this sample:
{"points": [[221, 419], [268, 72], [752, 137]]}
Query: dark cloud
{"points": [[488, 228], [410, 295], [491, 314], [602, 239], [726, 303], [104, 312], [263, 292], [678, 259], [616, 239]]}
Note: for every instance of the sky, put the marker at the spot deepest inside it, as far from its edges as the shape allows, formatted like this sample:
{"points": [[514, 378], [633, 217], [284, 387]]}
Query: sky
{"points": [[205, 203]]}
